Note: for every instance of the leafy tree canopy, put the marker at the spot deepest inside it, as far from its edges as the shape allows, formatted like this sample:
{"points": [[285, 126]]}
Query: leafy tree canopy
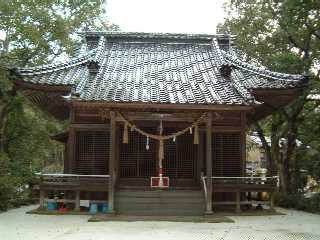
{"points": [[32, 33], [283, 35]]}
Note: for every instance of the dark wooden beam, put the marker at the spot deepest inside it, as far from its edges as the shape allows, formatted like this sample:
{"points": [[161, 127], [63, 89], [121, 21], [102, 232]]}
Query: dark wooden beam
{"points": [[243, 142], [276, 92], [71, 145], [159, 106], [91, 126], [71, 151], [209, 163], [112, 161], [200, 156]]}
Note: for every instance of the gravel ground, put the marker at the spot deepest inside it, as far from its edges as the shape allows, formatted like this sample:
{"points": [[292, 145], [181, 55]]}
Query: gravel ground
{"points": [[295, 225]]}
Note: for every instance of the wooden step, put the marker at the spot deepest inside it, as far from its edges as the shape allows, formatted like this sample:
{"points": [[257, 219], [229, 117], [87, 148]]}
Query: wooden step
{"points": [[159, 194], [160, 202]]}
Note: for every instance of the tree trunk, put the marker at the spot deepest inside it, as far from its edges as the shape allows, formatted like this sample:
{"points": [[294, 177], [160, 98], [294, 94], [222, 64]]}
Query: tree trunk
{"points": [[265, 146]]}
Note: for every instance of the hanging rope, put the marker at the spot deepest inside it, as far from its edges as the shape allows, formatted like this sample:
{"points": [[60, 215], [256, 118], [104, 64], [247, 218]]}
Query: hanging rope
{"points": [[161, 150], [125, 138], [196, 134], [163, 137]]}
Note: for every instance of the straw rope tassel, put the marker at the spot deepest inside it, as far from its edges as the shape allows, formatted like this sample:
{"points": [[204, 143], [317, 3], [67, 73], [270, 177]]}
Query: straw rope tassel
{"points": [[196, 134], [161, 150], [125, 138]]}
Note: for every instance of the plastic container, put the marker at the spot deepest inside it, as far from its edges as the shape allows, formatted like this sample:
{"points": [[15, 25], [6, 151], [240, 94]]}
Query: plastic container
{"points": [[52, 206], [93, 208], [104, 207]]}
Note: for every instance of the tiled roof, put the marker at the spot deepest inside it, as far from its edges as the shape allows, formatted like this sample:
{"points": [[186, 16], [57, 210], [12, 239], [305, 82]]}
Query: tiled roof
{"points": [[160, 68]]}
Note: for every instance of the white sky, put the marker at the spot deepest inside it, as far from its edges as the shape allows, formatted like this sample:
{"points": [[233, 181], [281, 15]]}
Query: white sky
{"points": [[178, 16]]}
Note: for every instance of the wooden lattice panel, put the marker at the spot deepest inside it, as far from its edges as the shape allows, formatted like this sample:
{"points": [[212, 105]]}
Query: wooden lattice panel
{"points": [[135, 160], [226, 154], [92, 152], [180, 157]]}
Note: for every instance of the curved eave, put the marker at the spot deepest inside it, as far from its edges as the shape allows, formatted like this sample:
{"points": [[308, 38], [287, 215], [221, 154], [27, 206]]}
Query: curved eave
{"points": [[43, 69], [275, 91], [47, 97], [273, 99], [42, 87], [277, 76], [162, 106]]}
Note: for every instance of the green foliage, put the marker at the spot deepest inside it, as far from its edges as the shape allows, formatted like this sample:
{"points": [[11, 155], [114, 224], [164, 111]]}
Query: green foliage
{"points": [[38, 29], [35, 32], [283, 36], [7, 183], [299, 202]]}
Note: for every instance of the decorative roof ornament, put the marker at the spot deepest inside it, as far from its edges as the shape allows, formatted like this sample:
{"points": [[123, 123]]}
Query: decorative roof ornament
{"points": [[93, 67], [225, 70]]}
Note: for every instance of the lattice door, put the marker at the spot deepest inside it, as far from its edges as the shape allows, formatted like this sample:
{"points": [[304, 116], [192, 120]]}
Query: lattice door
{"points": [[92, 152], [135, 160], [226, 150], [180, 157]]}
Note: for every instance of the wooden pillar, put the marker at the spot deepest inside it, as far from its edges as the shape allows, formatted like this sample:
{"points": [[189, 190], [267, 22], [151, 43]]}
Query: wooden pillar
{"points": [[112, 161], [71, 145], [200, 157], [42, 196], [77, 202], [72, 166], [238, 203], [243, 142], [271, 196], [209, 163]]}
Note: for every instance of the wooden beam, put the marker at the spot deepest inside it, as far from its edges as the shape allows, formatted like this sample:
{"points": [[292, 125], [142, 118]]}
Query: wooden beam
{"points": [[112, 161], [161, 106], [243, 142], [200, 156], [209, 163], [277, 92], [93, 126], [271, 199], [228, 129], [77, 201], [42, 197], [238, 202]]}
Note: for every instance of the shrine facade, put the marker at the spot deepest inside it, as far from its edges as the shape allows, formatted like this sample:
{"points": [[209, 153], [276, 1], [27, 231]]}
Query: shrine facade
{"points": [[157, 122]]}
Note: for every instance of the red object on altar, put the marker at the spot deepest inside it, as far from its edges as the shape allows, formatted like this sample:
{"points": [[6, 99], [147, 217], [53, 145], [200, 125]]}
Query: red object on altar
{"points": [[159, 182]]}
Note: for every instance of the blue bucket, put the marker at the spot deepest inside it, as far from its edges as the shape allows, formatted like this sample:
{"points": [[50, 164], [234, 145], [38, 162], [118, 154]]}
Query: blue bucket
{"points": [[93, 208], [104, 207], [52, 206]]}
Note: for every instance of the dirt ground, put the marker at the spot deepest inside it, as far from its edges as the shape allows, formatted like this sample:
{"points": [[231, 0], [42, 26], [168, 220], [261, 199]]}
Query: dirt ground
{"points": [[295, 225]]}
